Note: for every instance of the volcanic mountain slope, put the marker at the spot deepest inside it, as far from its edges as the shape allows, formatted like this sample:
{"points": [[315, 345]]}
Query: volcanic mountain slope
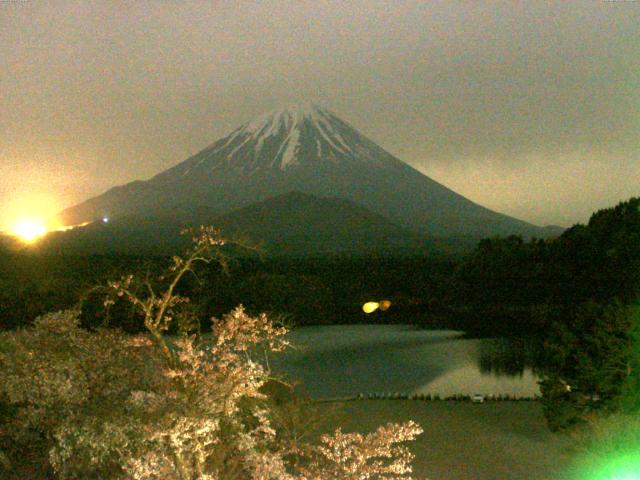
{"points": [[300, 224], [310, 150]]}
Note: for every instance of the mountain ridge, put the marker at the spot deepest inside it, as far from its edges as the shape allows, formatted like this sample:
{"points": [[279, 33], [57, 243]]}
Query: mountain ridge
{"points": [[311, 150]]}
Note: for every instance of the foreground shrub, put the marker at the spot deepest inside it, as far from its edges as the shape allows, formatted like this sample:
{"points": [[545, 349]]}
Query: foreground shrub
{"points": [[68, 388]]}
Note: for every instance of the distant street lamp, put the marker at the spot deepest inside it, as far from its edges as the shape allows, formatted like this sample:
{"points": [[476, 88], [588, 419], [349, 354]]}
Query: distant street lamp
{"points": [[370, 307]]}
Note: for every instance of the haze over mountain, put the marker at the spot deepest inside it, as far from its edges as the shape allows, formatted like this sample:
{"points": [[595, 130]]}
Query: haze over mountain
{"points": [[309, 150]]}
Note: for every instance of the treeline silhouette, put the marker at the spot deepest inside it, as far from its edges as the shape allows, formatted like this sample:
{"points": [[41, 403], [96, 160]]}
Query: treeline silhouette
{"points": [[505, 286], [579, 295]]}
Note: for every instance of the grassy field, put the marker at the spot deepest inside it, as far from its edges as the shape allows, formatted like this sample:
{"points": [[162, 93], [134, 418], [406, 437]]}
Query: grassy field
{"points": [[465, 441]]}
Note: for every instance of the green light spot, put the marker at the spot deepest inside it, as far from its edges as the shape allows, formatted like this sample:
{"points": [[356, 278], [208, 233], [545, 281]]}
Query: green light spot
{"points": [[621, 468]]}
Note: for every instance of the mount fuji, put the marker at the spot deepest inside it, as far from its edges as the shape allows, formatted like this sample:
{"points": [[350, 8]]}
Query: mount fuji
{"points": [[303, 149]]}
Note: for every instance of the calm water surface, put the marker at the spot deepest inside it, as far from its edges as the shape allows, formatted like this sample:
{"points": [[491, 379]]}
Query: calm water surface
{"points": [[344, 360]]}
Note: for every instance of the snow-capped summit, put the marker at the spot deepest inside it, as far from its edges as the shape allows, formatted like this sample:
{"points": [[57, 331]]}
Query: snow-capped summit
{"points": [[307, 149], [287, 116], [297, 135]]}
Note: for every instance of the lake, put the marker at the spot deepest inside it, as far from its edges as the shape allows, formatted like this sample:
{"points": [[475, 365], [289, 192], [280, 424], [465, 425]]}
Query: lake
{"points": [[345, 360]]}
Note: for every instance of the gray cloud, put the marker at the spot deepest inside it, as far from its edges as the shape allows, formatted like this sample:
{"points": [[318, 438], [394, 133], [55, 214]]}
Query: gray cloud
{"points": [[530, 108]]}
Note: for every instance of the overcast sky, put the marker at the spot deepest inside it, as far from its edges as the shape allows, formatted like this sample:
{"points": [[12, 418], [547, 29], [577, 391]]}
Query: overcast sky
{"points": [[530, 108]]}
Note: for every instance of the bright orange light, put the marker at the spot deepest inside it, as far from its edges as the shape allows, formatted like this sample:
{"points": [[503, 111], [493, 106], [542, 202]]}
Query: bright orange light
{"points": [[29, 215], [30, 229]]}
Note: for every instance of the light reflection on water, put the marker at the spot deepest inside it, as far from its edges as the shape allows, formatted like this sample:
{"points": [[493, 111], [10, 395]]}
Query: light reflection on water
{"points": [[468, 380], [345, 360]]}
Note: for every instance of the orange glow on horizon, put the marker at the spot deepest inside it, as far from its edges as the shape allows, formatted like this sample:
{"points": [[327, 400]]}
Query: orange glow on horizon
{"points": [[29, 229], [30, 216]]}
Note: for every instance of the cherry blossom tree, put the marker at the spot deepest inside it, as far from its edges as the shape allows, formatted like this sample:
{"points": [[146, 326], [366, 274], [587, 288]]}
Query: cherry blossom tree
{"points": [[104, 404]]}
